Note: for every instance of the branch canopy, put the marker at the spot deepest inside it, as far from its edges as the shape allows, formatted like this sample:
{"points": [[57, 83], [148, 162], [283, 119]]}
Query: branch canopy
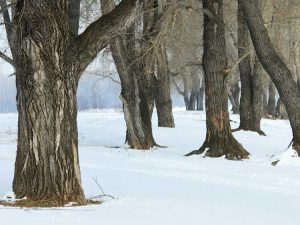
{"points": [[100, 33]]}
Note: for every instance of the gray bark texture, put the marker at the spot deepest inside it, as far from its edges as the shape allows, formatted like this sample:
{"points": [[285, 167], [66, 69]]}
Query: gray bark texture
{"points": [[275, 66], [219, 139], [49, 63]]}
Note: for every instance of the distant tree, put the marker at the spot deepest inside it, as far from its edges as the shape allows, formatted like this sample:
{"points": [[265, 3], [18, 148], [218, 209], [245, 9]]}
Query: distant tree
{"points": [[219, 139]]}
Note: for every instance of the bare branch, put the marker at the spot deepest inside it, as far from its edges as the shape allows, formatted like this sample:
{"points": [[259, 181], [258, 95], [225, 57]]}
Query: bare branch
{"points": [[100, 33], [7, 59]]}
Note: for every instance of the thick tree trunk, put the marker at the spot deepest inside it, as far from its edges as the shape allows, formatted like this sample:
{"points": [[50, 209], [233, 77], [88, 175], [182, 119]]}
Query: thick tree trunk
{"points": [[47, 163], [163, 99], [251, 83], [274, 65], [48, 66], [272, 100], [219, 139]]}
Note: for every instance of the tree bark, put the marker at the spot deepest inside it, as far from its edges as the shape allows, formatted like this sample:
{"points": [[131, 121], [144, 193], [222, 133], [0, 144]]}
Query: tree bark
{"points": [[135, 88], [272, 100], [201, 95], [48, 67], [234, 97], [275, 67], [251, 83], [163, 101], [47, 163], [219, 139]]}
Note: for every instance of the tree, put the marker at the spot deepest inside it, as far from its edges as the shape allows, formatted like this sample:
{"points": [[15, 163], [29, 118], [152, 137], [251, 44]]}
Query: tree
{"points": [[135, 85], [275, 67], [51, 59], [219, 139], [251, 108]]}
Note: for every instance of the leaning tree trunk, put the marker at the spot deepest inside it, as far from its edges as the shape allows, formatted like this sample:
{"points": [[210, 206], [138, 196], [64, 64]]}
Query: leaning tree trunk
{"points": [[136, 103], [163, 101], [219, 139], [47, 164], [251, 84], [275, 67]]}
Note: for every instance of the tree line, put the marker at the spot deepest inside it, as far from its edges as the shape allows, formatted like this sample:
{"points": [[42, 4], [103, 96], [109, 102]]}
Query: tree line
{"points": [[49, 56]]}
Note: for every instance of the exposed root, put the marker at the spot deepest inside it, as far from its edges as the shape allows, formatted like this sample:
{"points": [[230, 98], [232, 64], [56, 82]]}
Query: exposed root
{"points": [[236, 129], [259, 131], [231, 149], [195, 152]]}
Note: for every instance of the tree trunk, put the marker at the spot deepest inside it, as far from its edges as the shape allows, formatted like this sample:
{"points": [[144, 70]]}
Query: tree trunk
{"points": [[47, 164], [275, 67], [251, 83], [219, 139], [234, 94], [280, 110], [272, 100], [235, 90], [48, 66], [201, 95], [163, 99], [135, 88]]}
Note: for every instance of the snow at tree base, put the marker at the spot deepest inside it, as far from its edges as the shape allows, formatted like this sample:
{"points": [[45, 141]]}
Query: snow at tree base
{"points": [[161, 186]]}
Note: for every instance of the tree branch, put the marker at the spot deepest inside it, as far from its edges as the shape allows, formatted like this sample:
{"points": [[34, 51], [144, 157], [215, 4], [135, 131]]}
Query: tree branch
{"points": [[7, 59], [100, 33]]}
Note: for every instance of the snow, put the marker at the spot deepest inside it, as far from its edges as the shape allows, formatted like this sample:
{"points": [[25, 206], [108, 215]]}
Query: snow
{"points": [[161, 186]]}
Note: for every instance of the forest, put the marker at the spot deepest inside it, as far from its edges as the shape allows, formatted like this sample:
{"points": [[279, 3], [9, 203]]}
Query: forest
{"points": [[149, 112]]}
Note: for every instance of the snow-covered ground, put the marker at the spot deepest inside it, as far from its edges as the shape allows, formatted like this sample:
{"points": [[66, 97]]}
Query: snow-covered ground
{"points": [[160, 186]]}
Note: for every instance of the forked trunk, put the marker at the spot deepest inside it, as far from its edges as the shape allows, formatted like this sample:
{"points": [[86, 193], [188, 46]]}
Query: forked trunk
{"points": [[219, 139], [251, 84], [137, 104], [275, 66], [137, 113]]}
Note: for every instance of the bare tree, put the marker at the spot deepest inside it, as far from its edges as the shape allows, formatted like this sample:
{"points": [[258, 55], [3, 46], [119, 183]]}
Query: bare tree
{"points": [[251, 109], [51, 59], [219, 139], [278, 71]]}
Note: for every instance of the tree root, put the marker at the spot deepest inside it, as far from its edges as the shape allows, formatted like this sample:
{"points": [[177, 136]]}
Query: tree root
{"points": [[231, 149], [259, 131]]}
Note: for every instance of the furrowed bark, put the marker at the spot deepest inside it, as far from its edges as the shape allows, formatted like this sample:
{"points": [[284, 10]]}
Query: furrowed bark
{"points": [[163, 101], [251, 84], [275, 67], [134, 93], [49, 63], [219, 139], [47, 163]]}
